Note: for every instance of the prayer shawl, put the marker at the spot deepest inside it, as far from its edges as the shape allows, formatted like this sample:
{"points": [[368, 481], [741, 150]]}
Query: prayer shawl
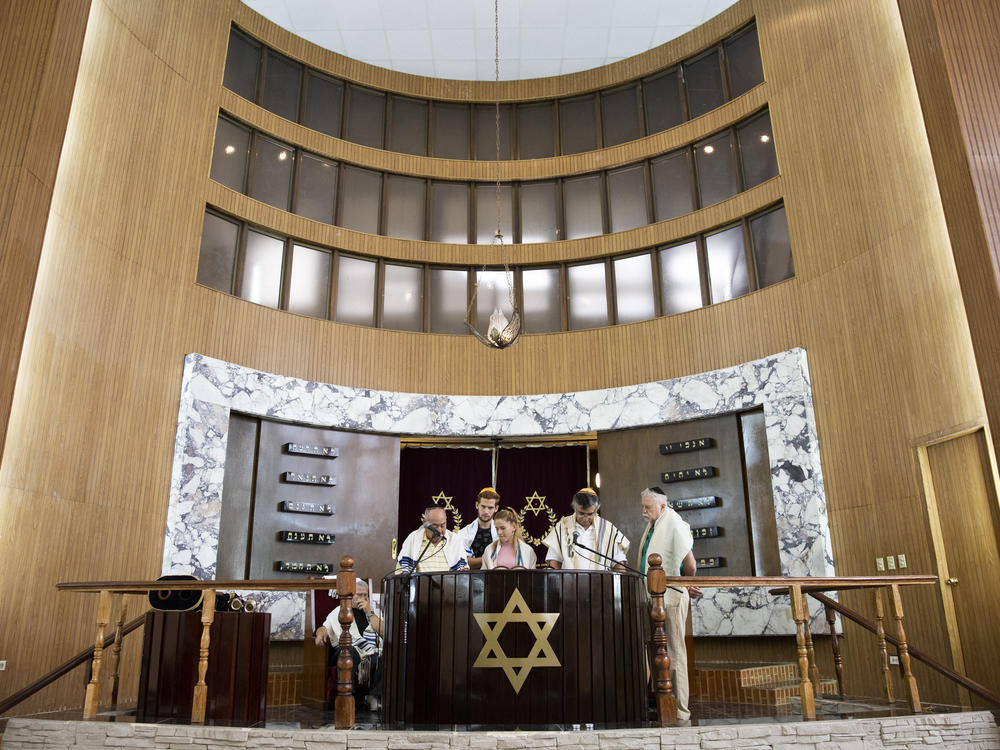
{"points": [[468, 534], [454, 551], [672, 540], [525, 556], [366, 643], [609, 539]]}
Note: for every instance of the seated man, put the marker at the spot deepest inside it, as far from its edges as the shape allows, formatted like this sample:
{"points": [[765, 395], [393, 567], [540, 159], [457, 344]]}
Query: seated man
{"points": [[584, 528], [432, 547], [366, 647]]}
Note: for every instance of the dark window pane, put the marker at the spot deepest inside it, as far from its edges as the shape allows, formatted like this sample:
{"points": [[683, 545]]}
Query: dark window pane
{"points": [[230, 155], [262, 269], [404, 208], [272, 172], [540, 289], [627, 197], [582, 199], [538, 212], [634, 288], [408, 126], [451, 131], [324, 103], [218, 253], [450, 212], [242, 62], [535, 131], [703, 81], [486, 132], [717, 176], [309, 290], [403, 297], [317, 190], [727, 268], [662, 100], [672, 194], [680, 279], [449, 300], [757, 150], [772, 250], [486, 214], [588, 296], [578, 124], [282, 79], [621, 116], [356, 291], [743, 54], [360, 192], [365, 116]]}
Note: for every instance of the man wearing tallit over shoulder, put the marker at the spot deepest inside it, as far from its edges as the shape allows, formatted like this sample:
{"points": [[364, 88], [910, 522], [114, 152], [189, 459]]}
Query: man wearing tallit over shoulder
{"points": [[669, 536], [584, 540]]}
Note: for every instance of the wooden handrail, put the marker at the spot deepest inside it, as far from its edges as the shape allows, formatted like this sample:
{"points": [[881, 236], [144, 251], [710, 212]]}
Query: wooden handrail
{"points": [[67, 666]]}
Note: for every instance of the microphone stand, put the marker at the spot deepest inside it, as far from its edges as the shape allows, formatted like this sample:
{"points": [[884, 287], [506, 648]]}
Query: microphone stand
{"points": [[615, 562]]}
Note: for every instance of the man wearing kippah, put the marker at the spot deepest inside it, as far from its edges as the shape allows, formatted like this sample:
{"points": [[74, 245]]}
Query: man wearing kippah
{"points": [[584, 540], [479, 534]]}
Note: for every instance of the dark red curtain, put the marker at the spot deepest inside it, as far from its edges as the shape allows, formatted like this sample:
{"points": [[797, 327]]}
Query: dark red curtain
{"points": [[449, 477]]}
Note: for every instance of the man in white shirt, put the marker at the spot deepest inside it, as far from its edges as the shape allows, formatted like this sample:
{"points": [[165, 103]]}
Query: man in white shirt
{"points": [[584, 540], [431, 547]]}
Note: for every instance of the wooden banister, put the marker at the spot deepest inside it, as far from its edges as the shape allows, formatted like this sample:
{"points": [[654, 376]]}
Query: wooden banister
{"points": [[666, 701]]}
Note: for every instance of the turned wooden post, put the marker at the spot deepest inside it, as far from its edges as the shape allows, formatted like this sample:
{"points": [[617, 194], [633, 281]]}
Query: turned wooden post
{"points": [[116, 652], [909, 681], [799, 614], [838, 662], [200, 697], [343, 709], [882, 649], [666, 703], [811, 650], [92, 697]]}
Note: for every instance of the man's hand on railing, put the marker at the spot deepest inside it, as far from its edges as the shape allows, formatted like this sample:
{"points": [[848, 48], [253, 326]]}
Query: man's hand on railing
{"points": [[694, 592], [322, 636]]}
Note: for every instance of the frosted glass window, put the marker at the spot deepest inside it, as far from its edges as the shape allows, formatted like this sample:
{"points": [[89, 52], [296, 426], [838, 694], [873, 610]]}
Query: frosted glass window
{"points": [[309, 291], [218, 253], [408, 126], [486, 132], [727, 268], [402, 301], [282, 80], [703, 81], [451, 131], [317, 191], [355, 291], [772, 249], [272, 172], [486, 213], [262, 269], [757, 150], [324, 104], [448, 302], [627, 197], [538, 212], [540, 292], [743, 54], [365, 117], [716, 165], [620, 112], [680, 278], [535, 130], [578, 124], [450, 212], [231, 154], [634, 288], [672, 192], [662, 98], [582, 198], [404, 207], [492, 292], [588, 296], [360, 191], [242, 62]]}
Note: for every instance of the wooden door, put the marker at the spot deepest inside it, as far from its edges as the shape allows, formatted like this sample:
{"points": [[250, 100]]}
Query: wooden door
{"points": [[963, 507]]}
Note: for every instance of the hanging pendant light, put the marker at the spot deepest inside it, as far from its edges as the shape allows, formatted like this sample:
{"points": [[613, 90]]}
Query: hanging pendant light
{"points": [[501, 331]]}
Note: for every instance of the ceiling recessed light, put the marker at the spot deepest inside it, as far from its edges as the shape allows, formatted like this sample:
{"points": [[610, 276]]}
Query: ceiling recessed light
{"points": [[709, 149], [765, 138], [282, 156], [230, 149]]}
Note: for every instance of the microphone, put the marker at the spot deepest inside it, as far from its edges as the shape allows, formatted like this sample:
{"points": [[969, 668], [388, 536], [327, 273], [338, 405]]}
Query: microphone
{"points": [[434, 532], [576, 535]]}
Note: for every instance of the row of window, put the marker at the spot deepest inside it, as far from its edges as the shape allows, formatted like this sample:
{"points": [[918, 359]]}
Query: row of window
{"points": [[283, 273], [613, 200], [528, 130]]}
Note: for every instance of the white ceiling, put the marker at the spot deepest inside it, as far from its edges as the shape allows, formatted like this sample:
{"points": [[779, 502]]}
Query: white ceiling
{"points": [[455, 38]]}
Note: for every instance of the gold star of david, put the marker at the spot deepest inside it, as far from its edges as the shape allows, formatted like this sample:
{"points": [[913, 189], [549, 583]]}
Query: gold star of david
{"points": [[541, 655], [447, 501], [536, 503]]}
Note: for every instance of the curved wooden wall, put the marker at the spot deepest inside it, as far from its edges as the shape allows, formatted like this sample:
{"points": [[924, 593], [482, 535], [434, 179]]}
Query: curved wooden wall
{"points": [[875, 301]]}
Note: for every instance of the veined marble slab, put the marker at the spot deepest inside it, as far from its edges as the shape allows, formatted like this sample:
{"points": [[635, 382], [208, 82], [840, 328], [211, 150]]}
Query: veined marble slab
{"points": [[211, 389]]}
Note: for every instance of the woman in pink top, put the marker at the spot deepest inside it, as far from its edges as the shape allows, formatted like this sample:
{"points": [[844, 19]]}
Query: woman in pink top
{"points": [[508, 551]]}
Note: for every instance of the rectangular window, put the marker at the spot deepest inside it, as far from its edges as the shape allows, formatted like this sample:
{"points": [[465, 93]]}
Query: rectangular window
{"points": [[272, 172], [627, 197], [771, 247], [324, 104], [365, 117], [360, 191], [450, 212], [535, 130], [317, 191], [634, 288], [757, 150], [492, 293], [743, 55], [680, 278], [620, 112], [542, 311], [262, 262], [582, 196], [727, 268], [404, 207], [662, 98], [355, 291], [242, 64], [231, 154], [703, 81], [538, 212], [309, 290], [451, 131], [218, 253], [282, 80], [486, 132], [448, 300], [672, 191], [408, 125], [588, 296], [716, 165], [402, 301], [486, 213], [578, 124]]}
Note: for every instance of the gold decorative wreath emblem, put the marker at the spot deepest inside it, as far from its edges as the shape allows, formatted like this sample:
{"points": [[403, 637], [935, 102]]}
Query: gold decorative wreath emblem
{"points": [[535, 504], [455, 515]]}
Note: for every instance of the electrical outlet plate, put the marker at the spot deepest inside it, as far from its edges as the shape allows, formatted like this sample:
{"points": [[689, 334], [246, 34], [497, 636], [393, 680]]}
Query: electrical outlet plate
{"points": [[890, 562], [902, 561], [3, 665], [879, 563]]}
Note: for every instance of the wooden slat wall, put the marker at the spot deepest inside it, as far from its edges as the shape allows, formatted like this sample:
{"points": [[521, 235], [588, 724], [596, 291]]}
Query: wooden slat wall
{"points": [[876, 302]]}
